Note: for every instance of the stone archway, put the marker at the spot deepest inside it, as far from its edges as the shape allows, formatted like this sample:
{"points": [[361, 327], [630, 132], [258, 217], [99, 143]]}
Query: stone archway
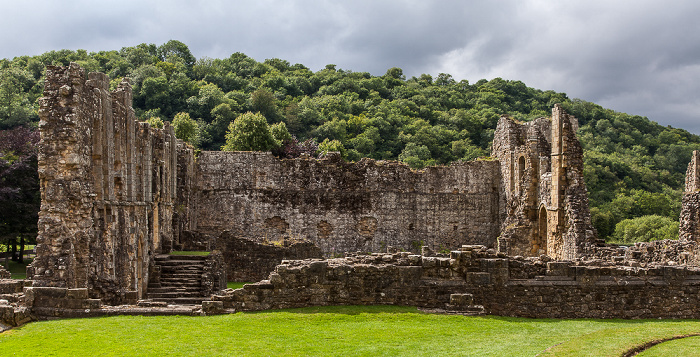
{"points": [[539, 244]]}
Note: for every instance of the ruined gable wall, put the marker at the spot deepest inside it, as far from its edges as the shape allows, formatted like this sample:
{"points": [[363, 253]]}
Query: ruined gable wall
{"points": [[546, 197], [524, 153], [108, 185], [348, 207]]}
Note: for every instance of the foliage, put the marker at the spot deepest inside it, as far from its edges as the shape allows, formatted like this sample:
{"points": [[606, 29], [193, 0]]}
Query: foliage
{"points": [[19, 186], [249, 132], [280, 133], [332, 146], [645, 229], [185, 127], [343, 330], [155, 122], [633, 167]]}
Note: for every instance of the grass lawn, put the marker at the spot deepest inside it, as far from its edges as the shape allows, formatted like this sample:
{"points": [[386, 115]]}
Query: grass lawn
{"points": [[338, 331], [188, 252], [236, 284], [684, 347], [18, 271]]}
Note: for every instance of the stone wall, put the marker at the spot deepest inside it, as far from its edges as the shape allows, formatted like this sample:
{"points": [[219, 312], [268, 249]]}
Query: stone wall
{"points": [[494, 284], [342, 207], [647, 254], [108, 188], [4, 273], [247, 260]]}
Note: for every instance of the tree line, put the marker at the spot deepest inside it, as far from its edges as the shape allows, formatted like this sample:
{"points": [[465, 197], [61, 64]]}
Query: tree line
{"points": [[634, 168]]}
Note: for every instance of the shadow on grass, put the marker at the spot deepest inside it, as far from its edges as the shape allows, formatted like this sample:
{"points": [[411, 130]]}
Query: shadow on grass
{"points": [[18, 270], [347, 310]]}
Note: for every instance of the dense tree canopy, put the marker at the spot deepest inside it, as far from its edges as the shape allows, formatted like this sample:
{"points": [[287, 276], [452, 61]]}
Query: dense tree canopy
{"points": [[19, 186], [249, 132], [633, 167]]}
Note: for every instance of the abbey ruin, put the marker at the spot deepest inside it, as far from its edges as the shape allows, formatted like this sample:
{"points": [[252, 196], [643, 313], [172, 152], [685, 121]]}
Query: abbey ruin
{"points": [[507, 235]]}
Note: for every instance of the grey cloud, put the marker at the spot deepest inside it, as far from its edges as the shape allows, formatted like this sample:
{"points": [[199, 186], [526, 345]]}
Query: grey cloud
{"points": [[641, 57]]}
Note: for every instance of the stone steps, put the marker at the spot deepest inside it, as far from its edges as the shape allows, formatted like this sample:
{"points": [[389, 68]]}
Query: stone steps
{"points": [[180, 300], [173, 289], [175, 294], [180, 280]]}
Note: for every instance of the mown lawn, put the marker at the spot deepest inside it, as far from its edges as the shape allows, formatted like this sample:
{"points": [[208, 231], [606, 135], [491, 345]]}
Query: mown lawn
{"points": [[18, 270], [337, 331]]}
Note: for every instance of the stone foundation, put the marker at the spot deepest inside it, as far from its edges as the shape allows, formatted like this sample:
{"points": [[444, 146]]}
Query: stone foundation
{"points": [[500, 285]]}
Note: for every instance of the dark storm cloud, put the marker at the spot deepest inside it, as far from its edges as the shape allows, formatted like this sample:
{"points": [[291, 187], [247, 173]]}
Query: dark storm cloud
{"points": [[640, 57]]}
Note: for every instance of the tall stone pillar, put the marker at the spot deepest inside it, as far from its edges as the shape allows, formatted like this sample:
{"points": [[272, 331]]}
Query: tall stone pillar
{"points": [[558, 164], [689, 230]]}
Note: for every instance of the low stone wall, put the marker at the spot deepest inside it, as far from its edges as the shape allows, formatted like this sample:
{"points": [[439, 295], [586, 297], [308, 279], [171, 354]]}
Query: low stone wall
{"points": [[646, 254], [4, 273], [246, 260], [214, 277], [501, 285]]}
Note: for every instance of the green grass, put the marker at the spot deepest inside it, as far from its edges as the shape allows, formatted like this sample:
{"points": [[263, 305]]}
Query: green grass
{"points": [[236, 284], [188, 252], [18, 270], [336, 331], [684, 347]]}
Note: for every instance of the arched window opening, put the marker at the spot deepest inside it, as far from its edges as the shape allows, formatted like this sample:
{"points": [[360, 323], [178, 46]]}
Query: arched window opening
{"points": [[539, 245]]}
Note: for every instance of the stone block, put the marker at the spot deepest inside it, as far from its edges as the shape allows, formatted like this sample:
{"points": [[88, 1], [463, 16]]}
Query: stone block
{"points": [[212, 307], [461, 299], [478, 278], [91, 304], [77, 293]]}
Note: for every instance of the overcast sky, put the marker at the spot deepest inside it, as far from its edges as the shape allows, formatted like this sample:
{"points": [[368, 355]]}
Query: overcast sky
{"points": [[635, 56]]}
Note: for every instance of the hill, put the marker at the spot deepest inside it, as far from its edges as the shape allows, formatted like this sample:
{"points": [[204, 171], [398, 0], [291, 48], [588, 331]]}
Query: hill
{"points": [[634, 168]]}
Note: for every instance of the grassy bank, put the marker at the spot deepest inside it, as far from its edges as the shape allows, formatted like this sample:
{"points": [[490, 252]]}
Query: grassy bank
{"points": [[346, 331]]}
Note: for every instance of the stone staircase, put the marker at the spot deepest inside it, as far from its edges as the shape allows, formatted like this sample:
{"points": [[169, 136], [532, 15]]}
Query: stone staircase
{"points": [[177, 280]]}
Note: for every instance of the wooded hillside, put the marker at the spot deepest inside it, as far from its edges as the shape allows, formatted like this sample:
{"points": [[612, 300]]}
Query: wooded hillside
{"points": [[634, 168]]}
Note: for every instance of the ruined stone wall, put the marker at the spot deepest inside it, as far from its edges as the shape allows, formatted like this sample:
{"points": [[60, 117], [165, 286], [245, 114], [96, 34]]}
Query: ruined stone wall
{"points": [[524, 153], [488, 282], [569, 193], [4, 273], [546, 197], [647, 254], [341, 207], [108, 188], [246, 260]]}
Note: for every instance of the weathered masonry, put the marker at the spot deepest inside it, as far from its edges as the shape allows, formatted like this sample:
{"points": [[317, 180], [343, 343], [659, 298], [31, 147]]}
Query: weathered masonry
{"points": [[343, 207], [546, 197], [474, 279], [117, 192], [108, 188], [690, 210]]}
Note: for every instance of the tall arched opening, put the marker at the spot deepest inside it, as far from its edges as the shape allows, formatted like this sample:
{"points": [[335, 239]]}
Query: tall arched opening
{"points": [[539, 245]]}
